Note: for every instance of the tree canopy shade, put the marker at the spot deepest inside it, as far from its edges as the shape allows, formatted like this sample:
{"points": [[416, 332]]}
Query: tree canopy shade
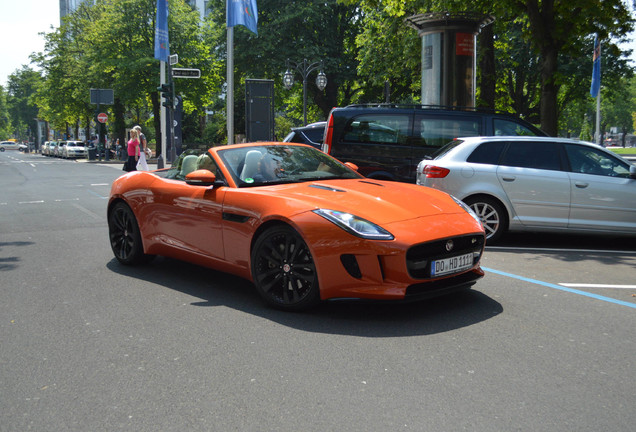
{"points": [[538, 45], [535, 60]]}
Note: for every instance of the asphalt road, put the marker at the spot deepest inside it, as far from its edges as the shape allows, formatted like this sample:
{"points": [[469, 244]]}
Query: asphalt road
{"points": [[89, 345]]}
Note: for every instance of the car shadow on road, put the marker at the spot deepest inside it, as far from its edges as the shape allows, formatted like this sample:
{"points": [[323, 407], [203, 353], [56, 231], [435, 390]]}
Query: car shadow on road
{"points": [[365, 319], [607, 250]]}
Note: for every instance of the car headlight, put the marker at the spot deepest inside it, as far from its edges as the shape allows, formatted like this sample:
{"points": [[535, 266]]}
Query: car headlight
{"points": [[468, 209], [355, 225]]}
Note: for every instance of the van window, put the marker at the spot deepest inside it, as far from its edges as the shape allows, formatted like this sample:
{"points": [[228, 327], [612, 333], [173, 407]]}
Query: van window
{"points": [[381, 129], [503, 127], [435, 131]]}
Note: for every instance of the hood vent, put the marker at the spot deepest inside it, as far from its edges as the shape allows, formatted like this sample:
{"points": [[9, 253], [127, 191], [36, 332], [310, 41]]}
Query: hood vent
{"points": [[371, 183], [329, 188]]}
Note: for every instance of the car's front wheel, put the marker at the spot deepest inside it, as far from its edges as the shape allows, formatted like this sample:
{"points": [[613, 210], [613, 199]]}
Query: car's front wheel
{"points": [[283, 269], [125, 237], [492, 215]]}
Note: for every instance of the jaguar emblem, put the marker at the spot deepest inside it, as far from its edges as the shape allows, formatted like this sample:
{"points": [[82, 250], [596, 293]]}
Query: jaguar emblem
{"points": [[449, 245]]}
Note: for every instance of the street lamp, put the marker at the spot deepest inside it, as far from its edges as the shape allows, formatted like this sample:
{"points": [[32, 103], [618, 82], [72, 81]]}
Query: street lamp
{"points": [[304, 68]]}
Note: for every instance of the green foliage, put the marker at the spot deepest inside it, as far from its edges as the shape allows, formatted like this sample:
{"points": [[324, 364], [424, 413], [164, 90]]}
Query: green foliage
{"points": [[283, 126], [22, 87], [542, 61], [5, 118]]}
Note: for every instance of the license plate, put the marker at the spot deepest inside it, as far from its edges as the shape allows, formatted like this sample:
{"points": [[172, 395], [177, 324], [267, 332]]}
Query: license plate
{"points": [[451, 265]]}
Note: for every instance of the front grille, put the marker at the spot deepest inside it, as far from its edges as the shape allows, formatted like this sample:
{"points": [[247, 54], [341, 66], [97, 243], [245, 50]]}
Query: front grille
{"points": [[419, 257]]}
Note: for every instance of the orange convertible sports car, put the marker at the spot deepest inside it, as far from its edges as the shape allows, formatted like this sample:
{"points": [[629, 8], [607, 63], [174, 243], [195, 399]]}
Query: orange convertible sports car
{"points": [[300, 225]]}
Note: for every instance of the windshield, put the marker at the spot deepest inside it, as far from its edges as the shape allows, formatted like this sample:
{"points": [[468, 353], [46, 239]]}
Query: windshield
{"points": [[271, 164]]}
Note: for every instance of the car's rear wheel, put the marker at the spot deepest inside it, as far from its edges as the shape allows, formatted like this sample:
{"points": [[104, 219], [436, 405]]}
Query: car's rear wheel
{"points": [[283, 269], [125, 237], [492, 215]]}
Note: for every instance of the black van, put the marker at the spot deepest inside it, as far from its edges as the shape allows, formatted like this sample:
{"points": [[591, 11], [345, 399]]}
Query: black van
{"points": [[388, 141]]}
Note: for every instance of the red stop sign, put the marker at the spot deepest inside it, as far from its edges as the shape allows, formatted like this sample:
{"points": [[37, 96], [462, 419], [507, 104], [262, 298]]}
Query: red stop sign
{"points": [[102, 117]]}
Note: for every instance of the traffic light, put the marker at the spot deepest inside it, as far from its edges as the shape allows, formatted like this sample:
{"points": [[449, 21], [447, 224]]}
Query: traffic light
{"points": [[167, 94]]}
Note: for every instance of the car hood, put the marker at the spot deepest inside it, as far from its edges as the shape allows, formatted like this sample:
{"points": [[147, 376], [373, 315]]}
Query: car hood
{"points": [[379, 201]]}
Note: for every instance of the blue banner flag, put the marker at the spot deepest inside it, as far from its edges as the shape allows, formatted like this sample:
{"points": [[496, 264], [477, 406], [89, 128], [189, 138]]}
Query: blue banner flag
{"points": [[162, 45], [242, 12], [596, 71]]}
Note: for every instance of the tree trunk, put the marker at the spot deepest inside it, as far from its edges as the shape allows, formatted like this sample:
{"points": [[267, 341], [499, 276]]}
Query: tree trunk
{"points": [[487, 68], [120, 124], [549, 91]]}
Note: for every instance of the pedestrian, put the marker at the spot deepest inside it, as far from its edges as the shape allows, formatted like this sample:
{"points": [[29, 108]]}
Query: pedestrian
{"points": [[133, 151], [142, 165]]}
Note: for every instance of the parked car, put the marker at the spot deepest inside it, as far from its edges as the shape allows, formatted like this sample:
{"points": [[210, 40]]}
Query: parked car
{"points": [[311, 134], [74, 149], [388, 141], [58, 151], [299, 224], [51, 148], [536, 184], [24, 147], [8, 145], [44, 148]]}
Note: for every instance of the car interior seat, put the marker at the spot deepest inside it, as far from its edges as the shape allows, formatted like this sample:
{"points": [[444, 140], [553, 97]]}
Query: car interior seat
{"points": [[250, 168], [189, 165]]}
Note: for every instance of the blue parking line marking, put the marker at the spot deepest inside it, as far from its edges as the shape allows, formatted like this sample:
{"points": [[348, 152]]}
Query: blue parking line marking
{"points": [[97, 195], [561, 288]]}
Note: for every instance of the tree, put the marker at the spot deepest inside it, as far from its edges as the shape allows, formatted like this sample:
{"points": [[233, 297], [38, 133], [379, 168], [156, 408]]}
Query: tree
{"points": [[22, 87], [557, 27], [546, 36], [5, 119], [313, 30], [101, 46]]}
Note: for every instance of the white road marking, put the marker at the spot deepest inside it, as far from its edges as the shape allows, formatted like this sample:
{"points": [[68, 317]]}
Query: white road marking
{"points": [[87, 211], [574, 285], [31, 202]]}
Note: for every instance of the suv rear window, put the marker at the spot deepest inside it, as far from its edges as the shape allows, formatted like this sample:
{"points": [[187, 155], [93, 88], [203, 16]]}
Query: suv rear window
{"points": [[384, 129]]}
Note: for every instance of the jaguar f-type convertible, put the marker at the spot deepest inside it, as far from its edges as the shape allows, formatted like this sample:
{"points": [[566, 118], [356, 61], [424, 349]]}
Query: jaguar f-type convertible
{"points": [[299, 224]]}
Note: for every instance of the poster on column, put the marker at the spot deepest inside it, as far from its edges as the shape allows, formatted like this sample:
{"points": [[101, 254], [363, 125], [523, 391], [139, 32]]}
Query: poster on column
{"points": [[464, 44]]}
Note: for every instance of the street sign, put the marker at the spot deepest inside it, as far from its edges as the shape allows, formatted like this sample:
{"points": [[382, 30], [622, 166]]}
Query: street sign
{"points": [[174, 59], [102, 96], [102, 117], [186, 73]]}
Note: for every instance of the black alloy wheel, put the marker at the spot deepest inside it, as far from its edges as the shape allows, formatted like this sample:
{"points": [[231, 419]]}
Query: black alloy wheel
{"points": [[125, 237], [283, 270]]}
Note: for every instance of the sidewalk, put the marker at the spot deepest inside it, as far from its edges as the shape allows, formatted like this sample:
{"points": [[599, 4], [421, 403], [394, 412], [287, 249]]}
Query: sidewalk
{"points": [[152, 163]]}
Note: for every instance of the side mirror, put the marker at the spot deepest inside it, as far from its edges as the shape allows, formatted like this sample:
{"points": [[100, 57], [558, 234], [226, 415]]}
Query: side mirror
{"points": [[352, 166], [632, 172], [200, 177]]}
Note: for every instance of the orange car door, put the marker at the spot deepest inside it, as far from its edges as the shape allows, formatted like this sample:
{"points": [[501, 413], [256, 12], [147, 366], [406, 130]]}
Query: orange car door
{"points": [[190, 217]]}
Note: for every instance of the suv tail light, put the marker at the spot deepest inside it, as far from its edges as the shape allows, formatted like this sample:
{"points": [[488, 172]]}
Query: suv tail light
{"points": [[432, 171], [328, 138]]}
